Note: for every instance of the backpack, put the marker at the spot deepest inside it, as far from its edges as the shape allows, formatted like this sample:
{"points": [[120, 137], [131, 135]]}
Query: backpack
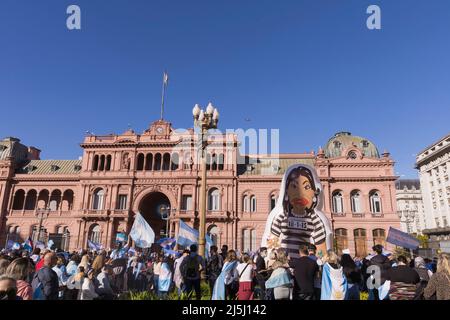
{"points": [[191, 268], [38, 288]]}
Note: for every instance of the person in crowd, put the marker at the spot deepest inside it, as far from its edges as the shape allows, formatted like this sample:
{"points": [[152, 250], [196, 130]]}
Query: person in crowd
{"points": [[4, 263], [261, 274], [213, 266], [353, 275], [224, 252], [403, 280], [74, 284], [177, 276], [88, 290], [85, 263], [246, 271], [104, 288], [72, 266], [424, 274], [99, 262], [46, 280], [35, 255], [280, 280], [165, 279], [334, 283], [8, 288], [156, 272], [305, 270], [41, 263], [20, 270], [231, 276], [438, 287], [384, 264], [60, 270], [312, 249], [190, 268]]}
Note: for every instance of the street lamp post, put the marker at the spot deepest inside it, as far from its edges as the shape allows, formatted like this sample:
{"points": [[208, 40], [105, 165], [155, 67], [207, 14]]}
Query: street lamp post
{"points": [[41, 214], [204, 120], [165, 214]]}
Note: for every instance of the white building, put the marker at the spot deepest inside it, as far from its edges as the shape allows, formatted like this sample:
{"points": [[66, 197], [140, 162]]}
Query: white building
{"points": [[433, 164], [410, 205]]}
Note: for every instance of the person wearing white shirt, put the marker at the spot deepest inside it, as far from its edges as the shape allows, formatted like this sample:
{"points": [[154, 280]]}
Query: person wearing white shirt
{"points": [[88, 287], [245, 272]]}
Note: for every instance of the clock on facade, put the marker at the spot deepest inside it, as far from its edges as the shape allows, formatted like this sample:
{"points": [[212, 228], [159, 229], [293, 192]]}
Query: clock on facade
{"points": [[159, 130]]}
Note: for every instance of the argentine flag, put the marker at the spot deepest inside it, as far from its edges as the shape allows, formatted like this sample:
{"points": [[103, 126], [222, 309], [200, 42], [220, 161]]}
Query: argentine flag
{"points": [[187, 235], [142, 233], [219, 286], [334, 283], [94, 246], [165, 278]]}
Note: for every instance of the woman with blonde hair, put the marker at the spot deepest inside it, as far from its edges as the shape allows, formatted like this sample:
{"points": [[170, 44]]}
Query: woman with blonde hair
{"points": [[20, 270], [280, 280], [99, 262], [84, 262], [439, 284], [334, 282]]}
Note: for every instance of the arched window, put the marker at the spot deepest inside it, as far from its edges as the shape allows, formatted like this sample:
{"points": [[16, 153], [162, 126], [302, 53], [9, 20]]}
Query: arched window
{"points": [[67, 200], [30, 203], [214, 200], [273, 201], [360, 242], [375, 202], [221, 161], [19, 199], [175, 161], [140, 162], [95, 163], [214, 234], [108, 162], [166, 162], [55, 200], [214, 162], [149, 161], [95, 234], [252, 204], [98, 199], [62, 238], [157, 164], [208, 161], [341, 240], [102, 163], [338, 203], [13, 234], [34, 233], [253, 241], [355, 198], [245, 240], [246, 204]]}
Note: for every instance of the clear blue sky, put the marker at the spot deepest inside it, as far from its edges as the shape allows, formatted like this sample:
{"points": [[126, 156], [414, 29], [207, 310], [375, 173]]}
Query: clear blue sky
{"points": [[309, 68]]}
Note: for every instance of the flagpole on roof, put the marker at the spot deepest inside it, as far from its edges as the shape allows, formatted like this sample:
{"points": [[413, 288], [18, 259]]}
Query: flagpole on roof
{"points": [[164, 86]]}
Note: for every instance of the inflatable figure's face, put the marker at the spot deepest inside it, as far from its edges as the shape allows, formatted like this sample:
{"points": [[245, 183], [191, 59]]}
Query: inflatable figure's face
{"points": [[300, 193]]}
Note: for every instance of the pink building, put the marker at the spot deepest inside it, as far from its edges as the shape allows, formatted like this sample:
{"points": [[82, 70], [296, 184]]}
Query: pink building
{"points": [[119, 175]]}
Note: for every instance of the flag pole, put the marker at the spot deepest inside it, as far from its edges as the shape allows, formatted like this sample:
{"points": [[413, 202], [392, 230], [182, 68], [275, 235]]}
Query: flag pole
{"points": [[165, 78]]}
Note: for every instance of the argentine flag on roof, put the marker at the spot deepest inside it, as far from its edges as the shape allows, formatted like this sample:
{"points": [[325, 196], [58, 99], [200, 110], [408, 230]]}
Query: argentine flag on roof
{"points": [[187, 235], [142, 233]]}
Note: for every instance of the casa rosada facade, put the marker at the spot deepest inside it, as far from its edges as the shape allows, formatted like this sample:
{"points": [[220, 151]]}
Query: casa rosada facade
{"points": [[156, 173]]}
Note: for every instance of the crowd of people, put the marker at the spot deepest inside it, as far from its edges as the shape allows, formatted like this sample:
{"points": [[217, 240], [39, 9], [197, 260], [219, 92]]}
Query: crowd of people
{"points": [[264, 275]]}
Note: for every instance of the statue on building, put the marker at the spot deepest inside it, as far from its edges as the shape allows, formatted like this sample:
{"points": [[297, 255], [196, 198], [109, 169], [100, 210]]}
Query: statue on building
{"points": [[297, 217]]}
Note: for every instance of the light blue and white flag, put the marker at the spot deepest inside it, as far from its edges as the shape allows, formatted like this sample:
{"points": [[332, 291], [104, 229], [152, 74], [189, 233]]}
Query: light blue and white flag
{"points": [[15, 246], [165, 278], [167, 243], [50, 244], [278, 278], [383, 291], [142, 233], [94, 246], [334, 283], [187, 235], [219, 286]]}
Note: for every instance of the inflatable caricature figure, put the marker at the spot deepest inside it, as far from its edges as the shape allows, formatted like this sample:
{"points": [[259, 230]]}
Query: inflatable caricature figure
{"points": [[297, 218]]}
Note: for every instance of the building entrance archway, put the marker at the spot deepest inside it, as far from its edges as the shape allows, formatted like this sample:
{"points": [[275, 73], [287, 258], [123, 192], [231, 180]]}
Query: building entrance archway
{"points": [[152, 208]]}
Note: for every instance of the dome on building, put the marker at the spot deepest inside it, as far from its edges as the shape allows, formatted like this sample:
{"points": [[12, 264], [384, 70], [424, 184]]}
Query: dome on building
{"points": [[343, 140]]}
